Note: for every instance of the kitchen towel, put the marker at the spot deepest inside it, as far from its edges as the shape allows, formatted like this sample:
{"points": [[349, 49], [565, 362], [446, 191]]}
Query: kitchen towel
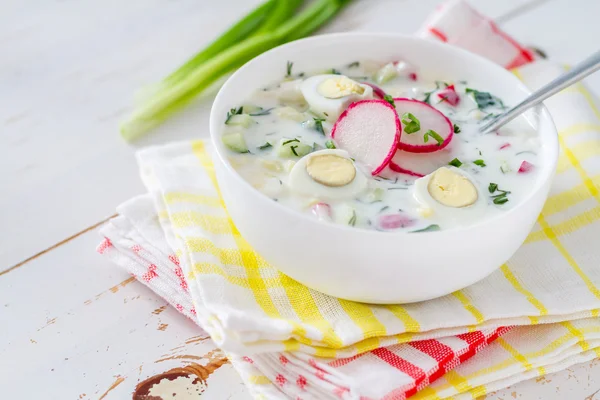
{"points": [[286, 330]]}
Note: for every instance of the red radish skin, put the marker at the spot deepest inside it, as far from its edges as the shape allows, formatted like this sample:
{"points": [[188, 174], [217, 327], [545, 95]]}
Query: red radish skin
{"points": [[525, 167], [504, 146], [322, 211], [359, 140], [449, 96], [395, 221], [377, 91], [412, 76], [396, 168], [440, 124]]}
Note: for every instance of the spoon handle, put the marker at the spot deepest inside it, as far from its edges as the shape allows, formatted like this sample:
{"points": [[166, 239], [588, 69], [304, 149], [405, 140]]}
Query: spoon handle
{"points": [[575, 74]]}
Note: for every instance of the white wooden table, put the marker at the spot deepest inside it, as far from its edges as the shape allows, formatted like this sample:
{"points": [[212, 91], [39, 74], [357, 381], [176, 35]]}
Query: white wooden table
{"points": [[71, 325]]}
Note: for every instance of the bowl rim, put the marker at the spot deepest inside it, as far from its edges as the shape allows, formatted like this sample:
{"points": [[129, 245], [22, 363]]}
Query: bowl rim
{"points": [[216, 121]]}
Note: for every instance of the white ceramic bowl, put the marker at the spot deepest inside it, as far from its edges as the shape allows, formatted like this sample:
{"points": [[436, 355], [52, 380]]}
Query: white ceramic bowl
{"points": [[367, 265]]}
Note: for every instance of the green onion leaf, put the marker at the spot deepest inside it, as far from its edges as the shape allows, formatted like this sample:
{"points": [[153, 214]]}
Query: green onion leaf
{"points": [[329, 144], [500, 200], [289, 68], [265, 146], [455, 163], [428, 97], [481, 163], [456, 128], [411, 123], [354, 64], [434, 135], [262, 112], [492, 188]]}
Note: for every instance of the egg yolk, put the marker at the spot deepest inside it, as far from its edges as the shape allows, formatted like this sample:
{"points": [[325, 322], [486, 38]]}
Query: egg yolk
{"points": [[335, 88]]}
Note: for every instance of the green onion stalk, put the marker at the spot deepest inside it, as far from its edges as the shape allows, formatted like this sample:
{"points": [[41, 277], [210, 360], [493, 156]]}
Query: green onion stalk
{"points": [[272, 23]]}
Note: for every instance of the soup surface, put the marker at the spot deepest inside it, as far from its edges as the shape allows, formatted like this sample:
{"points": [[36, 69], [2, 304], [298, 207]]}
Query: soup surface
{"points": [[381, 146]]}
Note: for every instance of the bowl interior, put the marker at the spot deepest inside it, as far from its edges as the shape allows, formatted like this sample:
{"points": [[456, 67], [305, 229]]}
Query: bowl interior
{"points": [[435, 61]]}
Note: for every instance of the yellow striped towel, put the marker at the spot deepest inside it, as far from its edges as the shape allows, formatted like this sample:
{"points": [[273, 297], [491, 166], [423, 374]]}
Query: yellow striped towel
{"points": [[248, 306]]}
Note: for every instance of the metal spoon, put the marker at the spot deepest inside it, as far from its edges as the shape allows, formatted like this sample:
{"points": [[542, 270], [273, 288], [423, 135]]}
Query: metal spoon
{"points": [[574, 75]]}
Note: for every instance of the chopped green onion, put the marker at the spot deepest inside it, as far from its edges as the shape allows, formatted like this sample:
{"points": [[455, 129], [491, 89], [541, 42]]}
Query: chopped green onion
{"points": [[329, 144], [354, 64], [232, 112], [384, 208], [434, 135], [289, 141], [411, 123], [456, 128], [289, 68], [500, 200], [438, 84], [319, 125], [481, 163], [334, 71], [390, 100], [265, 146], [428, 97], [455, 163], [492, 188]]}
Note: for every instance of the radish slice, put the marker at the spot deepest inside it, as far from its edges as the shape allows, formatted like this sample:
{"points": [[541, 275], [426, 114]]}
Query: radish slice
{"points": [[395, 221], [377, 91], [430, 119], [396, 168], [419, 165], [370, 131], [449, 96], [525, 167], [504, 146]]}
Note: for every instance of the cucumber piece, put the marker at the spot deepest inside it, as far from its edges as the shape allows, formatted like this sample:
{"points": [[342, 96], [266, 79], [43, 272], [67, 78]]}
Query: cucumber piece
{"points": [[289, 148], [243, 120], [385, 74], [290, 113], [251, 109], [235, 142]]}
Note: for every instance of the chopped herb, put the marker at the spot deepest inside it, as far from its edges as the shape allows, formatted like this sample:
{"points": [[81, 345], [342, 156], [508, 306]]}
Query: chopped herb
{"points": [[265, 146], [479, 152], [329, 144], [353, 160], [289, 68], [289, 141], [390, 100], [262, 112], [352, 220], [411, 123], [301, 75], [354, 64], [439, 84], [493, 187], [327, 115], [293, 148], [434, 135], [427, 97], [319, 125], [455, 163], [442, 99], [484, 99], [481, 163], [334, 71], [384, 208], [430, 228], [397, 188], [232, 112], [456, 128]]}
